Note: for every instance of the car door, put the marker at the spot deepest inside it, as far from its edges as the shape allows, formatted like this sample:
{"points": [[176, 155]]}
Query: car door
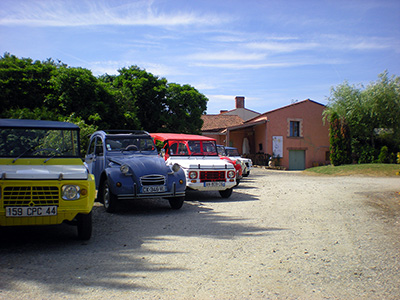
{"points": [[95, 158]]}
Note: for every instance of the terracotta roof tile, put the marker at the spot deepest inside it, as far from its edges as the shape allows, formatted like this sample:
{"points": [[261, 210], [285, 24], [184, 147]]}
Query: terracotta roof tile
{"points": [[218, 122]]}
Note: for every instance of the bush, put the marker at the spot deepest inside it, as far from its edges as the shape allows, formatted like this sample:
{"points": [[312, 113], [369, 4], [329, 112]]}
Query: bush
{"points": [[367, 155], [384, 156]]}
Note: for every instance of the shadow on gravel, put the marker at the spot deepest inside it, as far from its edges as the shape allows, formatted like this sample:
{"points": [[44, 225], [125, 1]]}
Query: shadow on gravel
{"points": [[236, 196], [114, 258]]}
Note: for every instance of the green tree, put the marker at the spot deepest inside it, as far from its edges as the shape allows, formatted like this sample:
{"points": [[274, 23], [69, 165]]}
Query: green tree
{"points": [[184, 107], [371, 113], [86, 130], [142, 96], [23, 83], [134, 99], [77, 91], [335, 140]]}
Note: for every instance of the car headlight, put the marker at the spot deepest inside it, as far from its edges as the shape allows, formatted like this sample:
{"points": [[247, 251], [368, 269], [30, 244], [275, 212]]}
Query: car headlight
{"points": [[176, 167], [192, 174], [71, 192], [124, 169], [231, 174]]}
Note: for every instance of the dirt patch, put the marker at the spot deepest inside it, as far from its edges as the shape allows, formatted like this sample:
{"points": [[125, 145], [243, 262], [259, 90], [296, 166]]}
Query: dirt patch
{"points": [[387, 204]]}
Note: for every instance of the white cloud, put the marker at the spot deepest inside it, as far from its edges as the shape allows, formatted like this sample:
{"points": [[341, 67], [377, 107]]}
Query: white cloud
{"points": [[226, 55], [89, 13], [277, 64], [282, 47]]}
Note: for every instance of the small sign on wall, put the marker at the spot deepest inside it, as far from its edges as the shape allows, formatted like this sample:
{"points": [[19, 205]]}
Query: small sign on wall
{"points": [[277, 146]]}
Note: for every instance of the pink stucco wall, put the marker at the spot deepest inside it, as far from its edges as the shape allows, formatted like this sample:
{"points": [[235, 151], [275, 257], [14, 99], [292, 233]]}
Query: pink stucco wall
{"points": [[314, 134]]}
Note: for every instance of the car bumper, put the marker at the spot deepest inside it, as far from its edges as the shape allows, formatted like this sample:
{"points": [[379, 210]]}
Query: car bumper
{"points": [[66, 210], [203, 186], [149, 195]]}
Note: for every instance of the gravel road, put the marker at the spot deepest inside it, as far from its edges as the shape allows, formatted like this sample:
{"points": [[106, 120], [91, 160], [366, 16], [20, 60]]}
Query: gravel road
{"points": [[281, 235]]}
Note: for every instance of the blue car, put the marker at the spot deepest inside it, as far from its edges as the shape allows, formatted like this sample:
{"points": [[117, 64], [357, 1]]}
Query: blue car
{"points": [[126, 166]]}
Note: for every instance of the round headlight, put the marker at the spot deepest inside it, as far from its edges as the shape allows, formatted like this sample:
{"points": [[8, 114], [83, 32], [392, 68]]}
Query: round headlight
{"points": [[192, 174], [231, 174], [70, 192], [124, 169], [176, 167]]}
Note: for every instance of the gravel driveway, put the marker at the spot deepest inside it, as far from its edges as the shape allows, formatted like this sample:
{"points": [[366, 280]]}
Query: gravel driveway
{"points": [[281, 235]]}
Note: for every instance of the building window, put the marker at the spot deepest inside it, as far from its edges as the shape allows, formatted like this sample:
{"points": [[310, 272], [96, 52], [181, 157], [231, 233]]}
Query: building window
{"points": [[295, 128]]}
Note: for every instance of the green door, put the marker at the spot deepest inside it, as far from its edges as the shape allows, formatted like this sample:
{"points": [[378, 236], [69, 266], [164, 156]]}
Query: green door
{"points": [[297, 160]]}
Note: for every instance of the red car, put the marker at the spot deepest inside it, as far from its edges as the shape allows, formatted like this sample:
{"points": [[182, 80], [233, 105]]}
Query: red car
{"points": [[238, 167]]}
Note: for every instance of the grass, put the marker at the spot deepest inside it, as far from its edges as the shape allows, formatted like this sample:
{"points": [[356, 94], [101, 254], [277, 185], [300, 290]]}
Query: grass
{"points": [[374, 170]]}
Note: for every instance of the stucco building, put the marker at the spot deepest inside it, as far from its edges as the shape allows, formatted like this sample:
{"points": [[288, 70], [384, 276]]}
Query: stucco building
{"points": [[295, 135]]}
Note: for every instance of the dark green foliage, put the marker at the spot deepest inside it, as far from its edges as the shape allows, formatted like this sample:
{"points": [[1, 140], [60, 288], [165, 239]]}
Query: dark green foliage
{"points": [[134, 99], [85, 133], [335, 140], [76, 90], [340, 142], [367, 154], [142, 95], [184, 107], [384, 156], [372, 114], [346, 143], [23, 82], [159, 145]]}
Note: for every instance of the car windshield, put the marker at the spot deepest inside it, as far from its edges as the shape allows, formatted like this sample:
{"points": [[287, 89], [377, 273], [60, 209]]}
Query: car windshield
{"points": [[129, 143], [200, 148], [32, 142], [221, 150], [232, 152]]}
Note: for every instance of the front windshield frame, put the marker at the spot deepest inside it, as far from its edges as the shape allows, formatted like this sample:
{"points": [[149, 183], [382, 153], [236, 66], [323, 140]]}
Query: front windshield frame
{"points": [[232, 152], [39, 143], [122, 143], [192, 148]]}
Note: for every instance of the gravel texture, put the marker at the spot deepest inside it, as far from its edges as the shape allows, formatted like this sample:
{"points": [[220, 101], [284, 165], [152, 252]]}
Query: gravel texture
{"points": [[281, 235]]}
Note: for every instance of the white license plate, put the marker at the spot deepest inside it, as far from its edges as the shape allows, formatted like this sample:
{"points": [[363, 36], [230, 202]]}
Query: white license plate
{"points": [[214, 183], [153, 189], [31, 211]]}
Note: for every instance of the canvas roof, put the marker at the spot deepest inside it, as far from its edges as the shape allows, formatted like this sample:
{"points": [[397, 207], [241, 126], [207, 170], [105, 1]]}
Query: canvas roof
{"points": [[180, 137]]}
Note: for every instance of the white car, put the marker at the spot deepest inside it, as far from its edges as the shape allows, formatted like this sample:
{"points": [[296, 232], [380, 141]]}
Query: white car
{"points": [[197, 155], [233, 154]]}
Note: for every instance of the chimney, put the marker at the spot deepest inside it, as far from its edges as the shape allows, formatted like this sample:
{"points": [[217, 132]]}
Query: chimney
{"points": [[222, 111], [239, 101]]}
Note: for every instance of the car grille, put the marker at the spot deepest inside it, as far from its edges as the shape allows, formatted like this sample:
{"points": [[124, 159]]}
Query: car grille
{"points": [[152, 180], [30, 195], [212, 176]]}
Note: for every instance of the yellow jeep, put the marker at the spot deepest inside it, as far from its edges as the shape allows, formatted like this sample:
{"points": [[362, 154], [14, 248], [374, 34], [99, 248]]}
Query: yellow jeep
{"points": [[43, 180]]}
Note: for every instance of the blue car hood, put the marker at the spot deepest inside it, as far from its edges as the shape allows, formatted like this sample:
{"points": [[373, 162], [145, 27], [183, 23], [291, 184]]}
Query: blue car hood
{"points": [[143, 164]]}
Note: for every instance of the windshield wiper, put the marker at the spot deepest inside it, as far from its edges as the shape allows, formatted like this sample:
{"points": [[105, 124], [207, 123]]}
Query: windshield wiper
{"points": [[22, 154]]}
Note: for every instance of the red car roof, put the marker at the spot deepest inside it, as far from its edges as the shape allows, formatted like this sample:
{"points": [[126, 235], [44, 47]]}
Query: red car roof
{"points": [[180, 136]]}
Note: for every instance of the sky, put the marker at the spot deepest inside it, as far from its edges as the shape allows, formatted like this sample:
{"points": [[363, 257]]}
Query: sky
{"points": [[271, 52]]}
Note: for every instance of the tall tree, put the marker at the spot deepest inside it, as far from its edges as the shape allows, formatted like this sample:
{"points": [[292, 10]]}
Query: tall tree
{"points": [[23, 82], [77, 91], [143, 95], [184, 107], [371, 113]]}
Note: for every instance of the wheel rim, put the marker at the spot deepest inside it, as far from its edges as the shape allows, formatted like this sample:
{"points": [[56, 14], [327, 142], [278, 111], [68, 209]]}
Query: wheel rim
{"points": [[106, 195]]}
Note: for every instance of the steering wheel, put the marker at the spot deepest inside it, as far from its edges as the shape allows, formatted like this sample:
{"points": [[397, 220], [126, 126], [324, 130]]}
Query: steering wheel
{"points": [[130, 148]]}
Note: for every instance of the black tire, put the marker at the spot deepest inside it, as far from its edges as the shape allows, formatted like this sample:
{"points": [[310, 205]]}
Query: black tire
{"points": [[84, 226], [226, 194], [176, 203], [109, 199]]}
